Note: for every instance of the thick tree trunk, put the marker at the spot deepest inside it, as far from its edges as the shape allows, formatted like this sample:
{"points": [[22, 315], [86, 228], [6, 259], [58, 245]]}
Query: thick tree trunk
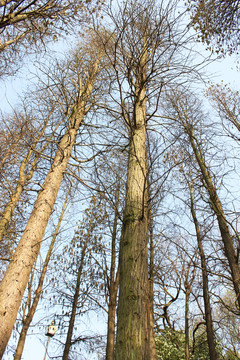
{"points": [[14, 283], [28, 319], [16, 278], [207, 307], [133, 335], [132, 325], [152, 345]]}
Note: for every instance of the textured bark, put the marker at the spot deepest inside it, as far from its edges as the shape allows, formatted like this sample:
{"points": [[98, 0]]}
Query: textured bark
{"points": [[132, 326], [134, 291], [16, 278], [111, 321], [207, 307], [152, 345], [28, 319]]}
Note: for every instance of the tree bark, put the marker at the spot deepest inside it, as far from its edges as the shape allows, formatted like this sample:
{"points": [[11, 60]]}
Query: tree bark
{"points": [[132, 326], [133, 335], [28, 319], [16, 278], [152, 345], [207, 307]]}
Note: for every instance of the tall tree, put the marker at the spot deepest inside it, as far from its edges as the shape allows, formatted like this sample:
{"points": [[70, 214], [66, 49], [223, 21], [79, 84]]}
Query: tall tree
{"points": [[144, 50], [85, 66], [206, 297], [183, 112]]}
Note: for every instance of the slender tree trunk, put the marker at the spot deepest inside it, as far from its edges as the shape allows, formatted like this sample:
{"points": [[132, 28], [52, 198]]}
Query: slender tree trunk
{"points": [[229, 250], [75, 300], [187, 295], [222, 222], [114, 281], [16, 278], [207, 307], [91, 224], [111, 319], [134, 292], [28, 319], [188, 286]]}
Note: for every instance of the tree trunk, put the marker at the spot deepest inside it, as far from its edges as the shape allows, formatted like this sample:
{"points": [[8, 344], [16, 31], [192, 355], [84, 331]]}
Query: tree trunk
{"points": [[114, 282], [152, 345], [187, 295], [222, 222], [134, 291], [132, 326], [16, 278], [207, 307], [111, 321], [27, 321], [75, 300], [229, 250], [23, 178]]}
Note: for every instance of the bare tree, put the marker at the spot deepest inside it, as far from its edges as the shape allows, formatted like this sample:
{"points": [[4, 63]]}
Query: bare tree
{"points": [[86, 66], [144, 50], [185, 116]]}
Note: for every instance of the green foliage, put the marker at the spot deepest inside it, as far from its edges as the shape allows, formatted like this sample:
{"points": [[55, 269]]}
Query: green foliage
{"points": [[201, 347], [170, 345]]}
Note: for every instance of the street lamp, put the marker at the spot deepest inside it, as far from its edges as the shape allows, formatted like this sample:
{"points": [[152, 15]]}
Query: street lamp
{"points": [[51, 331]]}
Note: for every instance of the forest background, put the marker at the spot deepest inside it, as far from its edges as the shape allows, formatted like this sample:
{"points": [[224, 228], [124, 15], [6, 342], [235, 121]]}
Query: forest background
{"points": [[191, 176]]}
